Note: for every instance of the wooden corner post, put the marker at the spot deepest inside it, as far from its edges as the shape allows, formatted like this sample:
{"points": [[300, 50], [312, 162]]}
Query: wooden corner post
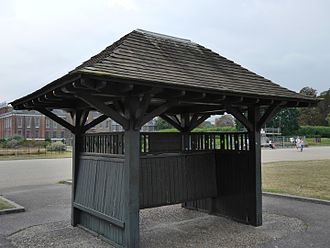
{"points": [[254, 194], [131, 180], [77, 144]]}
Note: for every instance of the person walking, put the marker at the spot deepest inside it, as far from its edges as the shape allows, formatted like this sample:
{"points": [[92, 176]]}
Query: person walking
{"points": [[302, 143], [298, 143]]}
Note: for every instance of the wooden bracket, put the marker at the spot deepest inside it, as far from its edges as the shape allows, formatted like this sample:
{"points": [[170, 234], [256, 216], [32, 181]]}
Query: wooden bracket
{"points": [[156, 112], [196, 120], [103, 108], [271, 111], [93, 123], [172, 120], [239, 116], [57, 119]]}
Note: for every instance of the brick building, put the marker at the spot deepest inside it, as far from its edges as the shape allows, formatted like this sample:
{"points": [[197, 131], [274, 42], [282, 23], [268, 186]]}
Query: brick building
{"points": [[30, 124], [34, 125]]}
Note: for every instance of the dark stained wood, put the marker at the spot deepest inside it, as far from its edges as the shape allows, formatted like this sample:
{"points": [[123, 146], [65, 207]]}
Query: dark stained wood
{"points": [[270, 112], [139, 77], [131, 187], [77, 143], [93, 123], [254, 190], [57, 119], [100, 106], [196, 171], [239, 116]]}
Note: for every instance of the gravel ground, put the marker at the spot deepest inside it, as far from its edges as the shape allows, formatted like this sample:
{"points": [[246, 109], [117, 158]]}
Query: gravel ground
{"points": [[170, 226]]}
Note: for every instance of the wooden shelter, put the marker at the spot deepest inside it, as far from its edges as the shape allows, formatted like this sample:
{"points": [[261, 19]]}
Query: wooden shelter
{"points": [[139, 77]]}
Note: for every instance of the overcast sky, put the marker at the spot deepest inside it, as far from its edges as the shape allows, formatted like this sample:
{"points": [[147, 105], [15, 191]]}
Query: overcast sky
{"points": [[282, 40]]}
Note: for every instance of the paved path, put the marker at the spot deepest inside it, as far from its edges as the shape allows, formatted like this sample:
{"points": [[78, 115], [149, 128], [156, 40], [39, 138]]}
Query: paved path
{"points": [[291, 154], [33, 172], [287, 223]]}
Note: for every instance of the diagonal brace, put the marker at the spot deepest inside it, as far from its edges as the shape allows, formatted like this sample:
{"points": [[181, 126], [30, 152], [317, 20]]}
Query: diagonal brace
{"points": [[103, 108], [239, 116], [57, 119], [94, 123], [269, 113]]}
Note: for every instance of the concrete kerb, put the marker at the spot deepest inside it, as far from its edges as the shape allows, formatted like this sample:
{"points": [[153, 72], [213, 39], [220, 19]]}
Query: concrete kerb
{"points": [[298, 198], [16, 209], [69, 182]]}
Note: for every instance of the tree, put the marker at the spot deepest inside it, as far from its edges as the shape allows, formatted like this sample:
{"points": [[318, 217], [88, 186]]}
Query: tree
{"points": [[310, 116], [161, 124], [324, 107], [328, 119], [206, 124], [225, 121], [287, 120]]}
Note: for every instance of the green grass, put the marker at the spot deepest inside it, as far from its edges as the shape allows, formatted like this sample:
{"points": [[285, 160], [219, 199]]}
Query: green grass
{"points": [[5, 205], [301, 178], [66, 154], [324, 142]]}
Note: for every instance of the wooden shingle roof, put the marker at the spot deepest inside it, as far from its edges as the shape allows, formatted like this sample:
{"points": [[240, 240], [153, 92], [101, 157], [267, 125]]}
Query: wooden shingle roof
{"points": [[143, 55], [170, 62]]}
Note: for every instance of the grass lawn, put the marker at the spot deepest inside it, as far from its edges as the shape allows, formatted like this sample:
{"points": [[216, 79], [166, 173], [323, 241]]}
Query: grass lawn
{"points": [[302, 178], [5, 205], [66, 154]]}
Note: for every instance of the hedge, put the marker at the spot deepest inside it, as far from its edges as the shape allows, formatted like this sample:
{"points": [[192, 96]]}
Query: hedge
{"points": [[314, 131]]}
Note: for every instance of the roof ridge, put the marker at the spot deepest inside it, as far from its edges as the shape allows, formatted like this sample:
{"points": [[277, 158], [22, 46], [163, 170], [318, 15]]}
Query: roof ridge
{"points": [[163, 36]]}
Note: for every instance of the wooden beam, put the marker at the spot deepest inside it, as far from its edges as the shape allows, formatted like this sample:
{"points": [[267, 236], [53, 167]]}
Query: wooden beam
{"points": [[239, 116], [57, 119], [101, 107], [196, 122], [156, 112], [269, 113], [93, 123], [171, 121], [84, 117], [144, 104]]}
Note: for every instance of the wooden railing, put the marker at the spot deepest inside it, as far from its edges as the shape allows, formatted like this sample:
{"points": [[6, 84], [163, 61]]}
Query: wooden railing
{"points": [[158, 142], [106, 143]]}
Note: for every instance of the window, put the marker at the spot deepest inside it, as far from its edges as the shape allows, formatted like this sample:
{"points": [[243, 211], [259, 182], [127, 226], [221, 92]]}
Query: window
{"points": [[28, 122], [54, 134], [36, 122], [19, 122], [62, 134], [47, 123], [7, 123], [37, 134], [47, 135], [19, 132], [27, 134], [54, 124]]}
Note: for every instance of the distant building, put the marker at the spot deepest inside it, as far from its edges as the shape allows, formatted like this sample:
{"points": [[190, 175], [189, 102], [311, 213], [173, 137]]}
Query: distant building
{"points": [[34, 125], [30, 124], [111, 126]]}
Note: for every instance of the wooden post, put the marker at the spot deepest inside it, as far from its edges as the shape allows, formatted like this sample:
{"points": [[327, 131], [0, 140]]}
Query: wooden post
{"points": [[77, 142], [254, 193], [131, 180]]}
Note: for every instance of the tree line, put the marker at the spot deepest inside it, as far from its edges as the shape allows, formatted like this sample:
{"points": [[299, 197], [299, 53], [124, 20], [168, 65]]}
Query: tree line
{"points": [[290, 119]]}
